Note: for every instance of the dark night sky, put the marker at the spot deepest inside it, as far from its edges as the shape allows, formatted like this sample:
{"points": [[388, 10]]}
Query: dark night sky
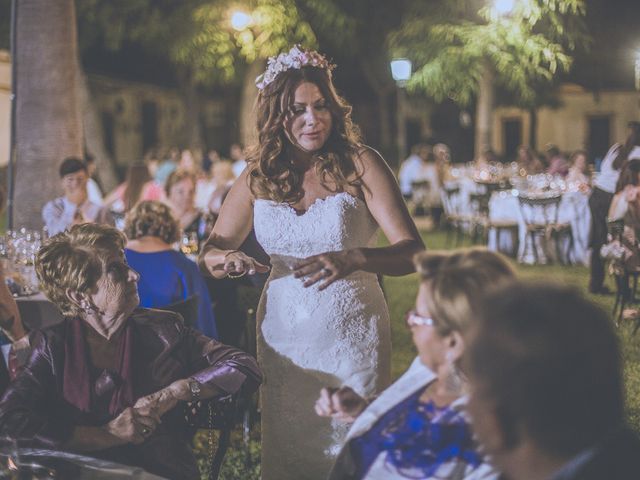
{"points": [[613, 24], [615, 27]]}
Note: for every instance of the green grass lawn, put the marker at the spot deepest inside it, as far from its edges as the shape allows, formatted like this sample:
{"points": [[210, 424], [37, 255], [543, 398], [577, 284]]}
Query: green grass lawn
{"points": [[401, 292]]}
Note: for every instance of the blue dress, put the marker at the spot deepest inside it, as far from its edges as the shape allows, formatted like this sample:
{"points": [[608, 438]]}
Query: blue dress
{"points": [[168, 276]]}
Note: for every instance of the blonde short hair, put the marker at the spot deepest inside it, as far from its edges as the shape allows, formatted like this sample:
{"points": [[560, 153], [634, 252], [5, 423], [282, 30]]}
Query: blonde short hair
{"points": [[153, 219], [457, 282], [74, 260]]}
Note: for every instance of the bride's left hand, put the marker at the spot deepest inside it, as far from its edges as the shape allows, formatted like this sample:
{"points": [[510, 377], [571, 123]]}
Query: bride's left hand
{"points": [[328, 267]]}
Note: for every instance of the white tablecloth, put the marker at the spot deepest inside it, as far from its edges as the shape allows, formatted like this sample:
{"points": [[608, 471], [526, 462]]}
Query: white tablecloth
{"points": [[574, 209]]}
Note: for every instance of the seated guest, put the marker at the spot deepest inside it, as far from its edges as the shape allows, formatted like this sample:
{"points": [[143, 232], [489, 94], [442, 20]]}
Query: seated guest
{"points": [[166, 276], [626, 206], [528, 161], [408, 171], [74, 207], [417, 428], [93, 189], [137, 186], [236, 153], [109, 378], [181, 197], [14, 341], [547, 397], [557, 162], [578, 172], [223, 178]]}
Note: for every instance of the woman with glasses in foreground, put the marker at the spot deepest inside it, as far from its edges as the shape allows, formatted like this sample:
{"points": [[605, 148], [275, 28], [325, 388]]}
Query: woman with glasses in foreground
{"points": [[417, 428]]}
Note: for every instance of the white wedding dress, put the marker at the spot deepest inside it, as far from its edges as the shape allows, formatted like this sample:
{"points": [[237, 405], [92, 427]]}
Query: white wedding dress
{"points": [[308, 339]]}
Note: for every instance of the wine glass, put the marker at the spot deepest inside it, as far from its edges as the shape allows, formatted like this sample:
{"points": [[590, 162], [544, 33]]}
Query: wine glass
{"points": [[189, 243]]}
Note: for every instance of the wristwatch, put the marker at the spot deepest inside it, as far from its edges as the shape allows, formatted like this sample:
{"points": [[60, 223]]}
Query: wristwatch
{"points": [[195, 389]]}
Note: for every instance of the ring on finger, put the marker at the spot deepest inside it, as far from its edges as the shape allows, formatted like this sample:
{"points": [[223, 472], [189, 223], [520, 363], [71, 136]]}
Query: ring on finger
{"points": [[326, 272], [145, 431]]}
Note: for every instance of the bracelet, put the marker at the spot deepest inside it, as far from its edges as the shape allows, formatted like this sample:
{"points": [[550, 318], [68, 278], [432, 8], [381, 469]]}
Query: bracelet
{"points": [[236, 275], [233, 275]]}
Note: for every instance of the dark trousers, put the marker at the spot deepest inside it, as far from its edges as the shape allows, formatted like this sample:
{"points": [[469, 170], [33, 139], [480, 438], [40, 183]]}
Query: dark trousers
{"points": [[599, 203]]}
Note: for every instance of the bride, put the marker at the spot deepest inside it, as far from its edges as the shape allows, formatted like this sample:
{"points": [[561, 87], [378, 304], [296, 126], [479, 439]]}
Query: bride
{"points": [[315, 196]]}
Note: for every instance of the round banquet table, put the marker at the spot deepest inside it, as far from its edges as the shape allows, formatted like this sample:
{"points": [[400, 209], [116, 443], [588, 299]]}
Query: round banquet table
{"points": [[574, 209]]}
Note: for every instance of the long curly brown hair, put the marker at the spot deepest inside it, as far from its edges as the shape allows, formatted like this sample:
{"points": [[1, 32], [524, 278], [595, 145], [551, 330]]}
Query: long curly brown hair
{"points": [[273, 174]]}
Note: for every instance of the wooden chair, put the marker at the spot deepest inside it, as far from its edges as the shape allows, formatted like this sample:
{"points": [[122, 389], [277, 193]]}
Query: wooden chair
{"points": [[622, 275], [455, 221], [540, 216], [420, 196], [483, 224], [479, 203]]}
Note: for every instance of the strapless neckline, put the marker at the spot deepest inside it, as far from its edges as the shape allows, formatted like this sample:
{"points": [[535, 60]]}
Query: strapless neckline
{"points": [[313, 206]]}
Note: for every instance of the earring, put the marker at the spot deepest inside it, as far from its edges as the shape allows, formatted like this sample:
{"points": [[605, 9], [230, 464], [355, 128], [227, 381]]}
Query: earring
{"points": [[85, 306], [453, 381]]}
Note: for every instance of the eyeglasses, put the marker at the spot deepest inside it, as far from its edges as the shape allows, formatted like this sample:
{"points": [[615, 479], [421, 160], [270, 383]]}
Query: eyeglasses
{"points": [[413, 319]]}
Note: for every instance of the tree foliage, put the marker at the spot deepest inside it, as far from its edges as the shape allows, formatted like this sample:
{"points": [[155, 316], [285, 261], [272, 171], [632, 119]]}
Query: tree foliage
{"points": [[197, 35], [453, 42]]}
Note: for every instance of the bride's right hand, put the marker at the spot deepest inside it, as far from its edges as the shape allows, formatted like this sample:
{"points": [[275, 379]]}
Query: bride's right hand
{"points": [[340, 403], [237, 263]]}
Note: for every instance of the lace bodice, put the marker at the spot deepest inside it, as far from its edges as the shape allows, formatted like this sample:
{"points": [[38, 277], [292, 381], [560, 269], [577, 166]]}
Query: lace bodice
{"points": [[338, 222]]}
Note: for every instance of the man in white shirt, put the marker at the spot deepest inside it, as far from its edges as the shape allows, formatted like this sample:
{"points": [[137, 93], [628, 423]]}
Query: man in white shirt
{"points": [[409, 170], [74, 207], [237, 155]]}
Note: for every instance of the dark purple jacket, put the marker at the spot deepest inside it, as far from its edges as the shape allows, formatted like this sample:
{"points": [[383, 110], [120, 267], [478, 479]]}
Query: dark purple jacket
{"points": [[164, 350]]}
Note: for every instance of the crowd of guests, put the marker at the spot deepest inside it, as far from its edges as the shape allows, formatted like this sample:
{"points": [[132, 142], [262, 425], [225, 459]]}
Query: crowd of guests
{"points": [[161, 205], [511, 380], [502, 386], [423, 174]]}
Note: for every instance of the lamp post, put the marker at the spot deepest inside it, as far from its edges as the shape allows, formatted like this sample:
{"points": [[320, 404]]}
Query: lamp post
{"points": [[637, 71], [401, 72]]}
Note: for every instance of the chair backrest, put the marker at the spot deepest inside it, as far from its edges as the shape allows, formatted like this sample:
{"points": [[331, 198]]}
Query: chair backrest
{"points": [[615, 228], [540, 211], [450, 200], [420, 191], [188, 308], [480, 203]]}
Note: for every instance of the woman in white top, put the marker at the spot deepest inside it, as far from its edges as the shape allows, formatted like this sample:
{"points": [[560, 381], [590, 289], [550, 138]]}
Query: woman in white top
{"points": [[600, 200]]}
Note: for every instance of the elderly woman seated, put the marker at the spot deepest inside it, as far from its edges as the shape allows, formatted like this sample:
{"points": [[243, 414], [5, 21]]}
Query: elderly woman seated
{"points": [[110, 378], [166, 276], [418, 428]]}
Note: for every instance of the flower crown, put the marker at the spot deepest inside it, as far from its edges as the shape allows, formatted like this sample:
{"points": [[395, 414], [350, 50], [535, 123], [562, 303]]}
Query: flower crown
{"points": [[294, 58]]}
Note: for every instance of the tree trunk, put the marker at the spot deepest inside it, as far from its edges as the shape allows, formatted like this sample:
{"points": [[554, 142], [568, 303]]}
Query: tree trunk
{"points": [[191, 98], [484, 111], [48, 124], [247, 120], [94, 138]]}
